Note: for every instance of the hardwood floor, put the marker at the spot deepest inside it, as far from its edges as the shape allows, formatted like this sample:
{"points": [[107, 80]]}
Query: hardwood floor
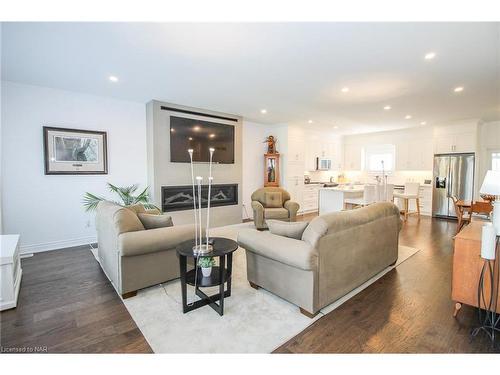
{"points": [[66, 304], [407, 311]]}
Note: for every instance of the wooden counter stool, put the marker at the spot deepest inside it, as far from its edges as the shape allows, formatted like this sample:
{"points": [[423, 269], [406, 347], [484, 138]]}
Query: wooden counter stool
{"points": [[412, 191]]}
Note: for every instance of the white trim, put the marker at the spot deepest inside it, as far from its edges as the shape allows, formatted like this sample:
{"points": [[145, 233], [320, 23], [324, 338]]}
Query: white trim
{"points": [[54, 245]]}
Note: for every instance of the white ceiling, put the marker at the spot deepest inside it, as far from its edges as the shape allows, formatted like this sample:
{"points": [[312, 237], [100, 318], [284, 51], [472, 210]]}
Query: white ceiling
{"points": [[294, 70]]}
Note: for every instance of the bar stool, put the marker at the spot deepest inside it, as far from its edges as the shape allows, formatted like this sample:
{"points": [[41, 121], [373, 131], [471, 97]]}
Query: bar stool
{"points": [[412, 190], [369, 197]]}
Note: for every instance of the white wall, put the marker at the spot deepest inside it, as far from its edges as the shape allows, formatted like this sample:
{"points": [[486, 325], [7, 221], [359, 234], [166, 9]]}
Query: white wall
{"points": [[46, 210], [488, 140], [254, 149]]}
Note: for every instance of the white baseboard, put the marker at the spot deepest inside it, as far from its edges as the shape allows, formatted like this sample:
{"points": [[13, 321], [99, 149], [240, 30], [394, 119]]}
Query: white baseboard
{"points": [[55, 245]]}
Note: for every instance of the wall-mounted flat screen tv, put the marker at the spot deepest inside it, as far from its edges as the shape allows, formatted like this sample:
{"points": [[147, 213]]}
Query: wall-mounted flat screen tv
{"points": [[186, 133]]}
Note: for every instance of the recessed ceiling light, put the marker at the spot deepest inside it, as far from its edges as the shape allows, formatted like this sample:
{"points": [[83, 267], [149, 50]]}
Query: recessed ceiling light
{"points": [[458, 89], [113, 78], [263, 111], [196, 128], [190, 138], [345, 89], [423, 123], [212, 135], [407, 117], [172, 130], [309, 121], [430, 55], [387, 107]]}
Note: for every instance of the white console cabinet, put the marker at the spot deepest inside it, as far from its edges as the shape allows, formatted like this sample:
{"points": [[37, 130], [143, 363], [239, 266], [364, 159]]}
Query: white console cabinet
{"points": [[10, 271]]}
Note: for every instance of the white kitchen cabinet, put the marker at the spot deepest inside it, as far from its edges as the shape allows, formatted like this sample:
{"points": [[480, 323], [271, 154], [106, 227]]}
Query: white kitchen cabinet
{"points": [[352, 157], [310, 197], [329, 149], [296, 149], [449, 142], [295, 186], [414, 155]]}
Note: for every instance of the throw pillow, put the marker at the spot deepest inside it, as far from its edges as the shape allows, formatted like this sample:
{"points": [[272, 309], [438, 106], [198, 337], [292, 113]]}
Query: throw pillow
{"points": [[152, 221], [287, 229], [273, 199], [137, 208]]}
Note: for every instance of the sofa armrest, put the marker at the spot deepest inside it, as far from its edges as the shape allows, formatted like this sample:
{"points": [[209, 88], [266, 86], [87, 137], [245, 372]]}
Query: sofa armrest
{"points": [[258, 214], [154, 240], [292, 252], [292, 208]]}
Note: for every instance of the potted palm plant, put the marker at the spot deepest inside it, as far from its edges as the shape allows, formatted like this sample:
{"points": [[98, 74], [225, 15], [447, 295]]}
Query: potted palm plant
{"points": [[206, 264], [126, 195]]}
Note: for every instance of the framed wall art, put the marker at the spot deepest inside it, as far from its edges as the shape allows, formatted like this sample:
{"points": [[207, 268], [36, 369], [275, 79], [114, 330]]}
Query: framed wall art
{"points": [[74, 151]]}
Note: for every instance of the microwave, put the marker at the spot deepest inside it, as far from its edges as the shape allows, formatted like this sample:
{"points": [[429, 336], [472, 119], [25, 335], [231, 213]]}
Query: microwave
{"points": [[323, 164]]}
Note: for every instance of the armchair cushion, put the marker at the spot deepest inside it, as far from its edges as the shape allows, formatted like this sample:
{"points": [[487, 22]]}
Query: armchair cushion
{"points": [[295, 253], [152, 221], [276, 213], [273, 199], [290, 230], [154, 240]]}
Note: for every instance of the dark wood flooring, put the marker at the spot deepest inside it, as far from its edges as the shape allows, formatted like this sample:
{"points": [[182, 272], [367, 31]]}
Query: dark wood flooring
{"points": [[66, 304], [409, 310]]}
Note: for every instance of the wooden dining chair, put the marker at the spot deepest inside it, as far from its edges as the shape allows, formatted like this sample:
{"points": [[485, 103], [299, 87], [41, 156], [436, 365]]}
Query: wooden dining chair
{"points": [[463, 214], [481, 208]]}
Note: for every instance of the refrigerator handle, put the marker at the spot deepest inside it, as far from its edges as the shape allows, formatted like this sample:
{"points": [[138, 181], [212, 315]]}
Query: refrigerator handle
{"points": [[448, 191]]}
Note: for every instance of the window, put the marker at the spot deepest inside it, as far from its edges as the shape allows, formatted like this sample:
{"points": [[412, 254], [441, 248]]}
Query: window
{"points": [[495, 160], [380, 158]]}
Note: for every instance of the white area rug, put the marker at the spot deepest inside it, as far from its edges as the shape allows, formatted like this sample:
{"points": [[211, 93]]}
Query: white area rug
{"points": [[254, 321]]}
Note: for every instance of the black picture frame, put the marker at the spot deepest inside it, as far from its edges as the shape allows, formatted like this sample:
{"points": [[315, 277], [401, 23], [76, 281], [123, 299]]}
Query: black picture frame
{"points": [[46, 151]]}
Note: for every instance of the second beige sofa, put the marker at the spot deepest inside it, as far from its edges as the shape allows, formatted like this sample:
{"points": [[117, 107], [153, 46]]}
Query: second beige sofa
{"points": [[337, 253], [133, 257]]}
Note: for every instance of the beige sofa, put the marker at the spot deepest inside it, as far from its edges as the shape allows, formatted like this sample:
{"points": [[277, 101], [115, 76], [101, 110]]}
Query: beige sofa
{"points": [[265, 206], [337, 253], [133, 257]]}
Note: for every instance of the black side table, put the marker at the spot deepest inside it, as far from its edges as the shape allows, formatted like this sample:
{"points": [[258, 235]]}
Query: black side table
{"points": [[222, 248]]}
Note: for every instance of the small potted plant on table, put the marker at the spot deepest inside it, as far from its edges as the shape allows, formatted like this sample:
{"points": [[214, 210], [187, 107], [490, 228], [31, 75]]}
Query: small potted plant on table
{"points": [[206, 264]]}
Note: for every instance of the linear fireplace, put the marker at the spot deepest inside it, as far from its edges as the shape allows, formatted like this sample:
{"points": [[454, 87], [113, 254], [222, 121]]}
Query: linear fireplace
{"points": [[179, 198]]}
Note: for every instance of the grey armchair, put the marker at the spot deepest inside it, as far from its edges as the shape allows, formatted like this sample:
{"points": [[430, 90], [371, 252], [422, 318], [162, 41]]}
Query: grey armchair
{"points": [[272, 203]]}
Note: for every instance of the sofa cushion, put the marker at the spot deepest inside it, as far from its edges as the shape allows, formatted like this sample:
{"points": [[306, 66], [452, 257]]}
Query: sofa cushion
{"points": [[287, 229], [276, 213], [295, 253], [137, 208], [126, 220], [152, 221], [273, 199], [316, 229]]}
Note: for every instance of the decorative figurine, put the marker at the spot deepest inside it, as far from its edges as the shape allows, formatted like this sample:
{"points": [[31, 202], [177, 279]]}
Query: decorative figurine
{"points": [[271, 145]]}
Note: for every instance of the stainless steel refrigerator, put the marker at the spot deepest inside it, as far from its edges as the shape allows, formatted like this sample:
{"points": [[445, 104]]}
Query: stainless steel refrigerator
{"points": [[453, 176]]}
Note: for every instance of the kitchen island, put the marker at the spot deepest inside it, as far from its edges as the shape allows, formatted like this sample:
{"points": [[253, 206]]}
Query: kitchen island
{"points": [[332, 199]]}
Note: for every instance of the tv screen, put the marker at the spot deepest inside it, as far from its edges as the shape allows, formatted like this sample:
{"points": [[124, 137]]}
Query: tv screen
{"points": [[186, 133]]}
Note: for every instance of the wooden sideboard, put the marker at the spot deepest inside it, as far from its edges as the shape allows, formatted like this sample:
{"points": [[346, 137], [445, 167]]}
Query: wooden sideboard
{"points": [[467, 265]]}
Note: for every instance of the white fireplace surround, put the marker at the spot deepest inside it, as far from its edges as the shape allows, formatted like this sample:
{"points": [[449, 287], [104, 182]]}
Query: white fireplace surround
{"points": [[162, 172]]}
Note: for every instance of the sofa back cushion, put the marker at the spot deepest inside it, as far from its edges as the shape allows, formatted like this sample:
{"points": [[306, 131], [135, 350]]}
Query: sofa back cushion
{"points": [[260, 194], [152, 221], [337, 221], [273, 199], [287, 229]]}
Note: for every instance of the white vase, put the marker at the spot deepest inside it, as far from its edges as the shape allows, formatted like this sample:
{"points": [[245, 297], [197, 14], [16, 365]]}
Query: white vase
{"points": [[206, 271]]}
